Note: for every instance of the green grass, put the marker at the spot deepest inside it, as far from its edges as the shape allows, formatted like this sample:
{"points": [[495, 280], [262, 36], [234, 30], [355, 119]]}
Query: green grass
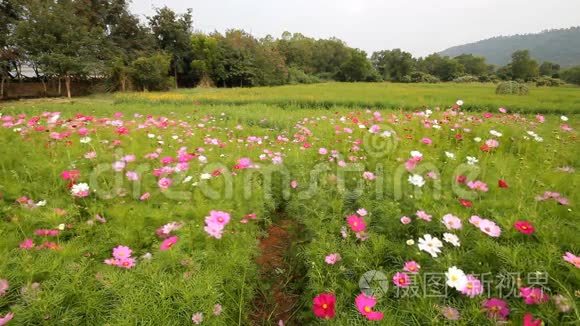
{"points": [[477, 97], [77, 288]]}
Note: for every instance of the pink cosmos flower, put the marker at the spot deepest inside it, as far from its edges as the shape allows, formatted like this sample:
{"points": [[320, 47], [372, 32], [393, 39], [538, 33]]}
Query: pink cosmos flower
{"points": [[243, 163], [46, 233], [490, 228], [475, 220], [492, 143], [412, 163], [412, 267], [322, 151], [27, 244], [214, 230], [362, 212], [90, 155], [533, 295], [168, 243], [132, 175], [332, 258], [126, 263], [477, 185], [3, 287], [365, 304], [217, 309], [450, 313], [294, 184], [473, 287], [427, 141], [452, 222], [572, 259], [197, 318], [405, 220], [540, 118], [6, 319], [70, 175], [367, 175], [424, 216], [118, 166], [145, 196], [164, 183], [401, 280], [356, 223], [218, 217], [496, 308], [122, 252]]}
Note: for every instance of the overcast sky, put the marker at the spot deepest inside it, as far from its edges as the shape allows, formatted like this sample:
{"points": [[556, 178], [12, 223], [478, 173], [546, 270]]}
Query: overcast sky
{"points": [[418, 26]]}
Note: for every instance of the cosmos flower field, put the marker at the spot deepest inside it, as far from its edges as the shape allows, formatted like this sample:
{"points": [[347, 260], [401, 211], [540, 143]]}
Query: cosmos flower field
{"points": [[140, 212]]}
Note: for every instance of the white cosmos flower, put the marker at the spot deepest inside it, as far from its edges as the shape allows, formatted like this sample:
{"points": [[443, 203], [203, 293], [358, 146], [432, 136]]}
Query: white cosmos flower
{"points": [[202, 159], [456, 278], [564, 118], [416, 154], [151, 135], [416, 180], [436, 127], [450, 155], [85, 140], [410, 242], [452, 239], [538, 139], [61, 226], [386, 134], [495, 133], [41, 203], [187, 179], [459, 102], [471, 160], [431, 245], [477, 139], [205, 176]]}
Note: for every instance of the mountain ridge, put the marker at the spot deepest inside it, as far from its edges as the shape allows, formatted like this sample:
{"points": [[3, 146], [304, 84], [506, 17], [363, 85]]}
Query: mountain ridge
{"points": [[561, 46]]}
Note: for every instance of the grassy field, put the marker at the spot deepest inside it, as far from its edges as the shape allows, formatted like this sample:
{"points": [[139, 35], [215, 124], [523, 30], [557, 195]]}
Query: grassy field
{"points": [[327, 215], [477, 97]]}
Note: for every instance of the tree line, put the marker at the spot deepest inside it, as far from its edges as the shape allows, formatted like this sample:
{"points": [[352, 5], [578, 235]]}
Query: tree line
{"points": [[82, 39]]}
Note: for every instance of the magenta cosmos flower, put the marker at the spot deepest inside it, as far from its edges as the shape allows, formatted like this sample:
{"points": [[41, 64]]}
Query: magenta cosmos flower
{"points": [[168, 243], [323, 305], [356, 223], [5, 319], [496, 308], [364, 304], [121, 252], [401, 280], [218, 217], [532, 295]]}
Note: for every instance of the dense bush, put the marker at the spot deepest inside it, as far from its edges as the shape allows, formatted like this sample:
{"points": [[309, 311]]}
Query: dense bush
{"points": [[512, 87], [466, 79], [150, 73], [548, 81], [572, 75], [420, 77], [298, 76]]}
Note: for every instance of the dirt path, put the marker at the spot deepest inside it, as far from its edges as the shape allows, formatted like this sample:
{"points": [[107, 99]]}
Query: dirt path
{"points": [[279, 290]]}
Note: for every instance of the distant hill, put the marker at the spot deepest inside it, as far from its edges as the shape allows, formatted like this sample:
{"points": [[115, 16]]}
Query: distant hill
{"points": [[560, 46]]}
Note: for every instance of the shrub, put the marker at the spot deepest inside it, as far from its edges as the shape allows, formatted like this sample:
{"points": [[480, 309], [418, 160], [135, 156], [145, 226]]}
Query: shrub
{"points": [[420, 77], [466, 79], [150, 72], [572, 75], [548, 81], [298, 76], [512, 87]]}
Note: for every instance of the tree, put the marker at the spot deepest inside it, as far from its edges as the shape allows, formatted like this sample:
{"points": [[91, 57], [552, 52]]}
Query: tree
{"points": [[59, 42], [473, 65], [549, 69], [356, 68], [523, 66], [10, 14], [572, 75], [394, 64], [173, 35], [443, 68], [150, 72]]}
